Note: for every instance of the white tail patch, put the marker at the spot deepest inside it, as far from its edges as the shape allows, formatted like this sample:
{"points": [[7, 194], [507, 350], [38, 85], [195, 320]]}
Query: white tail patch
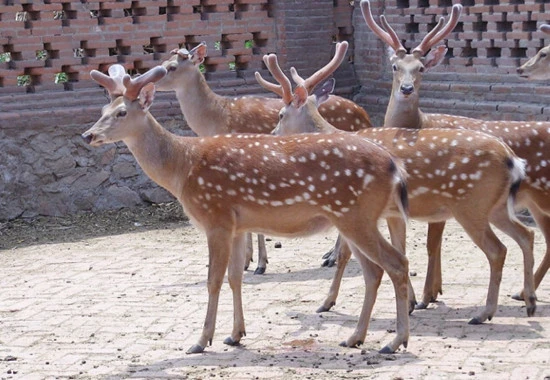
{"points": [[518, 174]]}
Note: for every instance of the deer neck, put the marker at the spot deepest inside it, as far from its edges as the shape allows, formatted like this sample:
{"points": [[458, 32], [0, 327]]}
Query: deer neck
{"points": [[201, 107], [160, 154], [404, 112]]}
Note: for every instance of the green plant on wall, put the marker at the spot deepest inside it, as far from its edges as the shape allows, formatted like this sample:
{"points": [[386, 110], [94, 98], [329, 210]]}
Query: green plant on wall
{"points": [[24, 80], [202, 68], [232, 66], [249, 44], [61, 78], [5, 57], [41, 55]]}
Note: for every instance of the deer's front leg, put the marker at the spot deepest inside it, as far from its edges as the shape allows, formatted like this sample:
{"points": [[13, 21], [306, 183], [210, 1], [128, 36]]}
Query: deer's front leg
{"points": [[249, 250], [219, 251], [398, 236], [235, 277], [343, 252], [434, 281]]}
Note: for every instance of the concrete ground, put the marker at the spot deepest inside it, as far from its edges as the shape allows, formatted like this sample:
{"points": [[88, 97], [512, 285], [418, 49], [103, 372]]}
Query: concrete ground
{"points": [[130, 305]]}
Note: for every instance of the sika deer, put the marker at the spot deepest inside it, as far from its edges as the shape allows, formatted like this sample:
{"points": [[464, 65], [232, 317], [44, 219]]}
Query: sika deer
{"points": [[467, 175], [528, 140], [209, 114], [538, 67], [232, 184]]}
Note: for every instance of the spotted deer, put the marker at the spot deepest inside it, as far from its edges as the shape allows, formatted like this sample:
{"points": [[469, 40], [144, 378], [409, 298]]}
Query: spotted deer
{"points": [[466, 175], [529, 140], [538, 67], [232, 184], [208, 113]]}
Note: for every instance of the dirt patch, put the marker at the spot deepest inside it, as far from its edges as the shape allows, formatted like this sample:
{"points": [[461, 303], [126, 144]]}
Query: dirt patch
{"points": [[23, 232]]}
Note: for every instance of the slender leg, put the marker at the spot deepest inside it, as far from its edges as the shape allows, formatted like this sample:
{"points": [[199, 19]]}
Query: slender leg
{"points": [[483, 236], [249, 251], [433, 283], [526, 240], [398, 236], [373, 250], [219, 251], [235, 278], [543, 223], [344, 254], [262, 255]]}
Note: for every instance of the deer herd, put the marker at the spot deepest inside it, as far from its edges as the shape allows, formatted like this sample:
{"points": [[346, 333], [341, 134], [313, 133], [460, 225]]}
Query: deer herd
{"points": [[307, 161]]}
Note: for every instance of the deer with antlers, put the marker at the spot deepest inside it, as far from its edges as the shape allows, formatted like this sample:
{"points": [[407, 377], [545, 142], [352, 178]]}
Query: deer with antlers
{"points": [[208, 113], [529, 140], [467, 175], [232, 184]]}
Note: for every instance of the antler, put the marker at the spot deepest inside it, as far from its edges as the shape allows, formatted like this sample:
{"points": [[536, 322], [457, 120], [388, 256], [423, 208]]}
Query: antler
{"points": [[284, 89], [112, 82], [439, 32], [545, 28], [134, 85], [388, 35], [322, 74]]}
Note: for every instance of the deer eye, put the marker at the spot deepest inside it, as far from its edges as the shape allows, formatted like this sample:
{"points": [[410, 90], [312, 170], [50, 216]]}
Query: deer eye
{"points": [[543, 55], [422, 69], [394, 67], [121, 113]]}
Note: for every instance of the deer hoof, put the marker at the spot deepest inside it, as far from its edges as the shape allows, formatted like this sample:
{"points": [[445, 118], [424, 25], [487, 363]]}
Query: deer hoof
{"points": [[231, 342], [475, 321], [386, 350], [517, 297], [323, 308], [421, 306], [531, 310], [412, 306], [259, 270], [195, 349]]}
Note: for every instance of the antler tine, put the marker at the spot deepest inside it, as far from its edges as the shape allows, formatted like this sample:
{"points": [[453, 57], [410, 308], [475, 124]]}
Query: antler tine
{"points": [[389, 37], [284, 89], [325, 72], [545, 28], [134, 85], [439, 32], [112, 82]]}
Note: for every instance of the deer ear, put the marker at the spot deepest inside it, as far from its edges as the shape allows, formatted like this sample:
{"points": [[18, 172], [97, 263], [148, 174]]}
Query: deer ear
{"points": [[300, 97], [198, 53], [435, 56], [146, 96], [322, 92]]}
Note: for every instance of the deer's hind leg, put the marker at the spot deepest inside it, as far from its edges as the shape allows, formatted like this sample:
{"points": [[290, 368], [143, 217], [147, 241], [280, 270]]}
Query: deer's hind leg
{"points": [[235, 278]]}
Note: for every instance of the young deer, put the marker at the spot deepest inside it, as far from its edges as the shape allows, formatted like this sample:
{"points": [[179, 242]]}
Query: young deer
{"points": [[529, 140], [209, 114], [467, 175], [538, 67], [232, 184]]}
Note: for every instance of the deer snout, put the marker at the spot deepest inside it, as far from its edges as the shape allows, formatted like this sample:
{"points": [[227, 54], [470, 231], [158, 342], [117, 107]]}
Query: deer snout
{"points": [[88, 137], [519, 70], [407, 89]]}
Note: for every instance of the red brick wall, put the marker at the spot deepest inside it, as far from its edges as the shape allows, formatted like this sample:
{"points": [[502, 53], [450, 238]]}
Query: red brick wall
{"points": [[44, 166], [478, 77]]}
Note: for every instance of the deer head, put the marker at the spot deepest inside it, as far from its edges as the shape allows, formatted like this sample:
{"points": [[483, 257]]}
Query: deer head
{"points": [[180, 65], [538, 67], [408, 68], [299, 106], [126, 94]]}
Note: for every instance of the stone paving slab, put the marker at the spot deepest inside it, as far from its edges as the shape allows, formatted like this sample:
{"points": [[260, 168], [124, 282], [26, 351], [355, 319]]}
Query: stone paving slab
{"points": [[130, 305]]}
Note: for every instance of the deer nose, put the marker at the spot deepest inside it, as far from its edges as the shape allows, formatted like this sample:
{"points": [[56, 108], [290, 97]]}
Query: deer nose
{"points": [[88, 137], [520, 70], [407, 89]]}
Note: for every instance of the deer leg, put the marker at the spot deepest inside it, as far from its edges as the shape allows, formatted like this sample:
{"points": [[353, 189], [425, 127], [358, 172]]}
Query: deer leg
{"points": [[484, 237], [262, 255], [376, 255], [543, 223], [344, 255], [249, 251], [219, 251], [398, 236], [526, 240], [433, 283], [235, 278]]}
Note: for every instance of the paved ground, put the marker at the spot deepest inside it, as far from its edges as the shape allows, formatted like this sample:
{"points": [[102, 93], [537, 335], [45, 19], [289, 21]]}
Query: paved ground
{"points": [[129, 306]]}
